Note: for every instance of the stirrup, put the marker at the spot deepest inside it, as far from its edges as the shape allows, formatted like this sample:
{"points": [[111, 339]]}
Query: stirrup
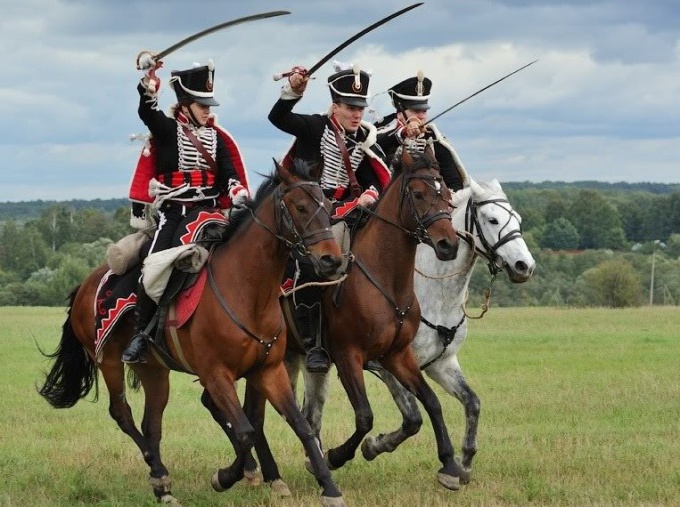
{"points": [[137, 349]]}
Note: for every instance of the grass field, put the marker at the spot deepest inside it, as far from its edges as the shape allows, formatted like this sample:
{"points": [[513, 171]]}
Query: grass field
{"points": [[579, 408]]}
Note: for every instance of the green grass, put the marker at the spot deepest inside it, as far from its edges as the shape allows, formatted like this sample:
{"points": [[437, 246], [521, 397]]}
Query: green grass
{"points": [[579, 408]]}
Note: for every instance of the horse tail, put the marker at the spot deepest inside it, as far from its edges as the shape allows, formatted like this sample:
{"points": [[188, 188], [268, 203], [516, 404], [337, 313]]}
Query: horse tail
{"points": [[73, 373]]}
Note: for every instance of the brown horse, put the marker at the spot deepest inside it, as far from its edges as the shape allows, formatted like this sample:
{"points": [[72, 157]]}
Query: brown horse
{"points": [[236, 331], [375, 314]]}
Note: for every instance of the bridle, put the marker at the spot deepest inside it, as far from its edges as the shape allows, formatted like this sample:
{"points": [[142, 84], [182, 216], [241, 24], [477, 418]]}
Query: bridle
{"points": [[285, 225], [422, 222], [488, 250]]}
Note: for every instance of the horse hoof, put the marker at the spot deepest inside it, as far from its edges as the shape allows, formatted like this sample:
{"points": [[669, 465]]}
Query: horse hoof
{"points": [[368, 449], [280, 488], [448, 481], [252, 477], [215, 482], [464, 473], [333, 501], [169, 500]]}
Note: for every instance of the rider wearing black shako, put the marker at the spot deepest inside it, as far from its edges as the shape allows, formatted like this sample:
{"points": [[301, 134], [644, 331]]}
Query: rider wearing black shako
{"points": [[353, 171]]}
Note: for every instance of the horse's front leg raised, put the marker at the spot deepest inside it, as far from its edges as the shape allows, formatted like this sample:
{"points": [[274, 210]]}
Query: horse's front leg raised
{"points": [[404, 367], [411, 420], [274, 384], [447, 373]]}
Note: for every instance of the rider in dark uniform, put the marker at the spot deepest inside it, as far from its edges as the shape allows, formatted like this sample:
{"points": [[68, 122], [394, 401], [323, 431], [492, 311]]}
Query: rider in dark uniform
{"points": [[189, 162], [405, 128], [353, 173]]}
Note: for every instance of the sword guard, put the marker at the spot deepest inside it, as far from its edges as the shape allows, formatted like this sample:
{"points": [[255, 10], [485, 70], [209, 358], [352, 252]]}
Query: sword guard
{"points": [[295, 70]]}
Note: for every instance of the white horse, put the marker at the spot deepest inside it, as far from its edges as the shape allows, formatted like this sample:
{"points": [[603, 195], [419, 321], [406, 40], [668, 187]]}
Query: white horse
{"points": [[490, 228]]}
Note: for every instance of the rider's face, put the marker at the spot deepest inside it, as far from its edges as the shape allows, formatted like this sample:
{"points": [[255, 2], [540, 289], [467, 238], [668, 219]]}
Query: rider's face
{"points": [[349, 117], [200, 112]]}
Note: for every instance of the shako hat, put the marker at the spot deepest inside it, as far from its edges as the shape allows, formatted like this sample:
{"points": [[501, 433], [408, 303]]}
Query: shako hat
{"points": [[412, 93], [349, 85], [195, 84]]}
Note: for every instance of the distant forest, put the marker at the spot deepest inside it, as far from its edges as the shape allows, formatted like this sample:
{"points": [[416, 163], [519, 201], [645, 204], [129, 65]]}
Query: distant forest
{"points": [[23, 210], [595, 244]]}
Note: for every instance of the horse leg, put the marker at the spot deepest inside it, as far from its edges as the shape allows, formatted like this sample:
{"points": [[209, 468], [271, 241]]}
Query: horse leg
{"points": [[352, 378], [447, 373], [403, 365], [371, 447], [222, 390], [292, 361], [254, 406], [156, 384], [274, 384], [251, 472], [316, 393]]}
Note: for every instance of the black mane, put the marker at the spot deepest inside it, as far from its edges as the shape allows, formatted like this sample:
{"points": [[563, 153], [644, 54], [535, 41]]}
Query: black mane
{"points": [[300, 168]]}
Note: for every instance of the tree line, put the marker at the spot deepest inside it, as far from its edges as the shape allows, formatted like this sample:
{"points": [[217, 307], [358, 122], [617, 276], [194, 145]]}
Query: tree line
{"points": [[593, 246]]}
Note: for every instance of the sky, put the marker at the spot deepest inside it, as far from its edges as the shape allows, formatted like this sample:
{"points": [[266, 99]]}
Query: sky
{"points": [[602, 102]]}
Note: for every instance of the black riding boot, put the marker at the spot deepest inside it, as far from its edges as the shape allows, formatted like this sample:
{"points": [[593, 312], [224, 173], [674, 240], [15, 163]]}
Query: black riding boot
{"points": [[309, 324], [137, 349]]}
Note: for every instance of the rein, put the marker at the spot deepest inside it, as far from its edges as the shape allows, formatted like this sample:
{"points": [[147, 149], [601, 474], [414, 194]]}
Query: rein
{"points": [[400, 313], [447, 335], [420, 234], [225, 306]]}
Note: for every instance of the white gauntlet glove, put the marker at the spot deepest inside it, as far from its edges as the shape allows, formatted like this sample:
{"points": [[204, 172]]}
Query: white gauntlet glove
{"points": [[239, 195]]}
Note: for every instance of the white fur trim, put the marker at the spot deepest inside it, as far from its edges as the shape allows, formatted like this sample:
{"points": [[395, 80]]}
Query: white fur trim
{"points": [[456, 159]]}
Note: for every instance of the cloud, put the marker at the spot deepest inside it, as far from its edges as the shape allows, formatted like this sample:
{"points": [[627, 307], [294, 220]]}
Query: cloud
{"points": [[601, 102]]}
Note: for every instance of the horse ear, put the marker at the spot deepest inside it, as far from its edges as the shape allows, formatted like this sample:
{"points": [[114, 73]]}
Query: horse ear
{"points": [[284, 174], [495, 184], [475, 187], [429, 154]]}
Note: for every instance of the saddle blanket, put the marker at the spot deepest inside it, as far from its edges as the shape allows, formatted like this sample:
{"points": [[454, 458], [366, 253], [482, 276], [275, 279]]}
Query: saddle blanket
{"points": [[116, 295]]}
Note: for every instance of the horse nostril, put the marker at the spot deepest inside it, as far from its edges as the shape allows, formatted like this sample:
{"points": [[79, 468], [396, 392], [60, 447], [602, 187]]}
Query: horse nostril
{"points": [[330, 261], [447, 249], [521, 267]]}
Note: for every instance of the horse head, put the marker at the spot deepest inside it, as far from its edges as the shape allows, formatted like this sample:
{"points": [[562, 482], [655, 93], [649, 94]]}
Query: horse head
{"points": [[303, 218], [496, 229], [428, 213]]}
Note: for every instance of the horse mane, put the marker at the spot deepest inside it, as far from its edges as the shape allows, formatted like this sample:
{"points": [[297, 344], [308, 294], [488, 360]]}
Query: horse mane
{"points": [[420, 161], [300, 168]]}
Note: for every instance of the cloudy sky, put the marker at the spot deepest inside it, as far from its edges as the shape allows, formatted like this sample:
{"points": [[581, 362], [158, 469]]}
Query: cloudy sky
{"points": [[602, 103]]}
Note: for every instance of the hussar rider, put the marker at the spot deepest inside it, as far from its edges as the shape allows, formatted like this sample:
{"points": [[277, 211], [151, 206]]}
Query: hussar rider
{"points": [[353, 172], [190, 162], [406, 128]]}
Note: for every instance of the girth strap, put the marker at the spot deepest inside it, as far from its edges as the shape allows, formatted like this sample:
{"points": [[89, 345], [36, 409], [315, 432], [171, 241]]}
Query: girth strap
{"points": [[446, 335]]}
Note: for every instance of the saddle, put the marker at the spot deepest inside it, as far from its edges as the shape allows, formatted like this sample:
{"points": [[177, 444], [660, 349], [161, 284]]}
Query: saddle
{"points": [[176, 281]]}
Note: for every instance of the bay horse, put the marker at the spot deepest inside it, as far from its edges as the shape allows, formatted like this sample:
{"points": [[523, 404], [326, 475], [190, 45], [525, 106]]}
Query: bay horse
{"points": [[375, 314], [236, 331], [491, 229]]}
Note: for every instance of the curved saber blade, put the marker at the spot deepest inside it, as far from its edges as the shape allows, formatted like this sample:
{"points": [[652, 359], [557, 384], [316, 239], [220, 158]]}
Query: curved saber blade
{"points": [[215, 28], [375, 25], [478, 92]]}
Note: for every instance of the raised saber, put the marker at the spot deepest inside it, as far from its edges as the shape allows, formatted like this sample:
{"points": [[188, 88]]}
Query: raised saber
{"points": [[317, 65], [478, 92], [221, 26]]}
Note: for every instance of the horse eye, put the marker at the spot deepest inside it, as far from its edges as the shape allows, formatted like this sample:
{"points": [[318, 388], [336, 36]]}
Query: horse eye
{"points": [[493, 221], [300, 207], [418, 194]]}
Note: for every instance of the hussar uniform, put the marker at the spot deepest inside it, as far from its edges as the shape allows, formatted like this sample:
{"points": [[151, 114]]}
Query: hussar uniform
{"points": [[352, 166], [413, 93]]}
